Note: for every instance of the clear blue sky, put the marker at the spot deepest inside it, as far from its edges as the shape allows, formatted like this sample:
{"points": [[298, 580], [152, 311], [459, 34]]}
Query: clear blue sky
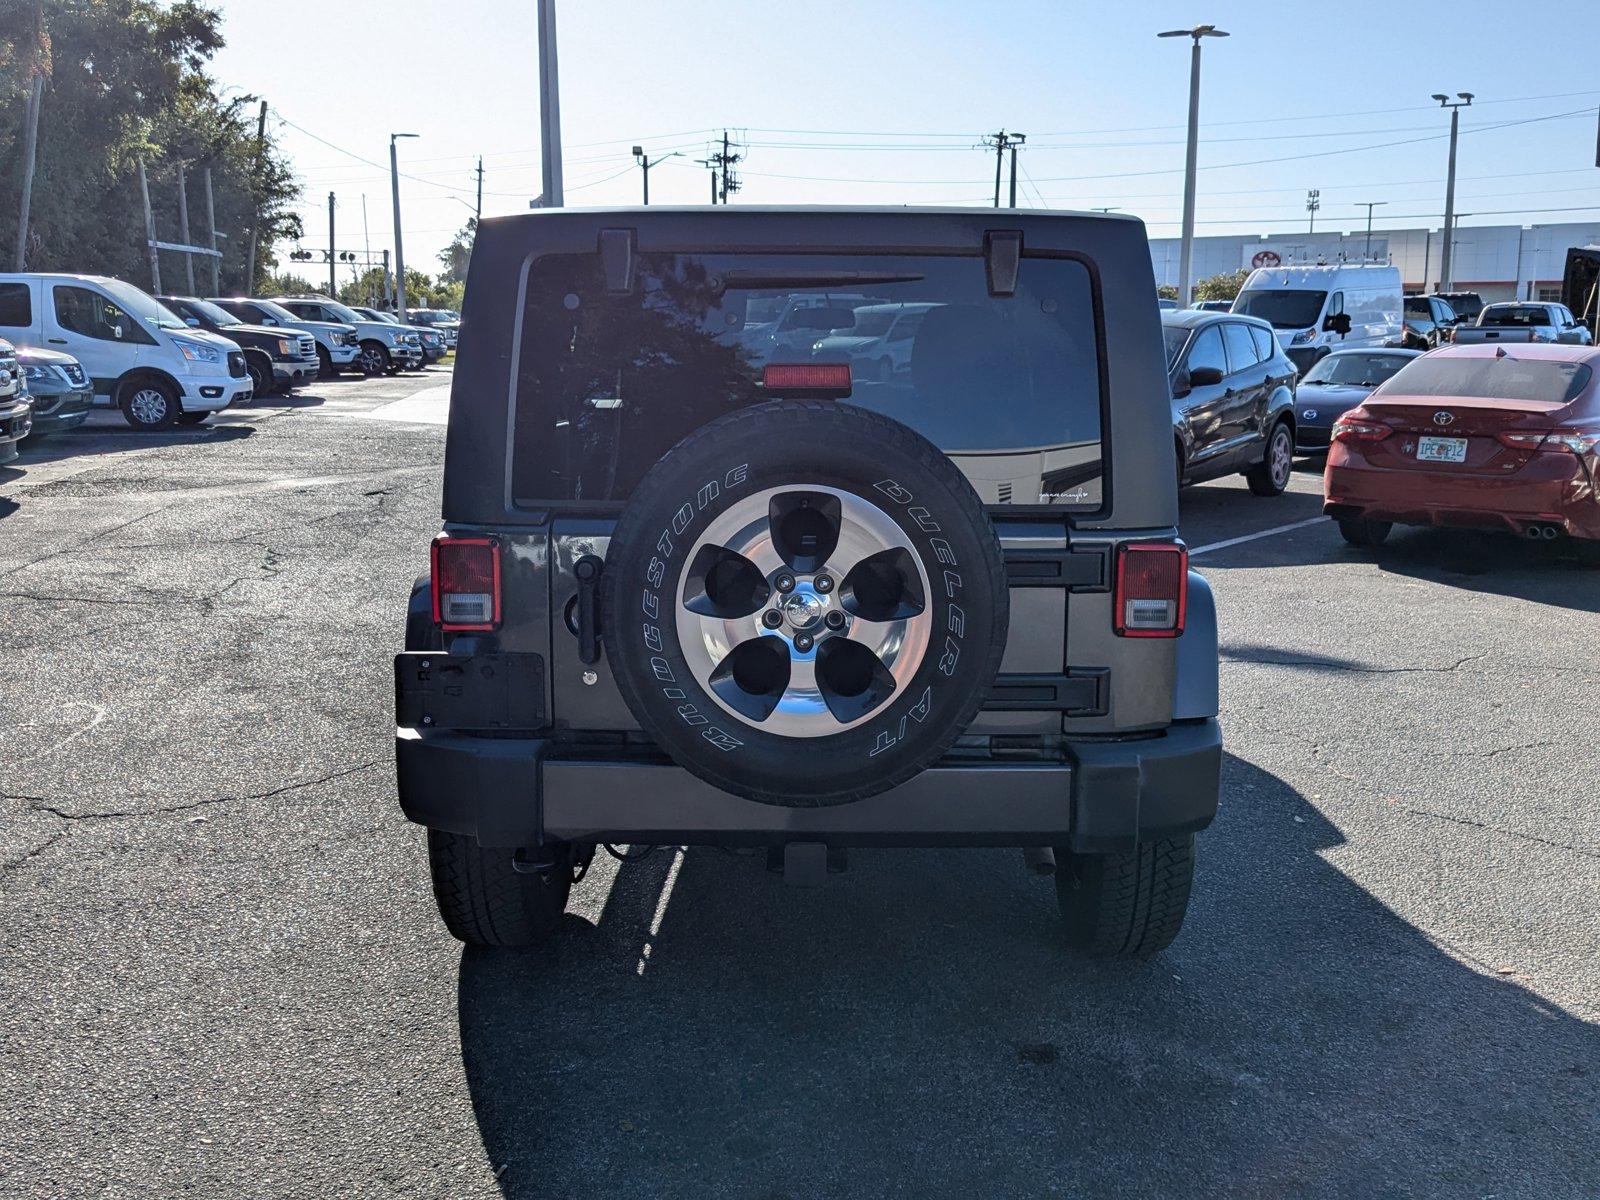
{"points": [[832, 102]]}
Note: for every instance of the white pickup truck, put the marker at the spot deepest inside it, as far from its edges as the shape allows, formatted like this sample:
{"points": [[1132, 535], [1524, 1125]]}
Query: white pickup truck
{"points": [[1524, 321]]}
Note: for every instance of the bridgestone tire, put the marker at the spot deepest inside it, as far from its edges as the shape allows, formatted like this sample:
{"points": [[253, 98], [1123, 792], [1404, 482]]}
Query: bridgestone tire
{"points": [[868, 459], [485, 901], [1125, 905]]}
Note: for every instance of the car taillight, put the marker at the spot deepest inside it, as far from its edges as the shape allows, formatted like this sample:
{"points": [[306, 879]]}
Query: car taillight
{"points": [[466, 583], [1358, 425], [1529, 440], [1152, 589]]}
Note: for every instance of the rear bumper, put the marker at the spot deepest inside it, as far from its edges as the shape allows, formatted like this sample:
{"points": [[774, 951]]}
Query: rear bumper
{"points": [[526, 791], [1551, 489]]}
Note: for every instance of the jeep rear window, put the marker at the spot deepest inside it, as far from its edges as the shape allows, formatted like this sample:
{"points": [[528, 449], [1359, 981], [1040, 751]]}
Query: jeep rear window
{"points": [[1009, 386]]}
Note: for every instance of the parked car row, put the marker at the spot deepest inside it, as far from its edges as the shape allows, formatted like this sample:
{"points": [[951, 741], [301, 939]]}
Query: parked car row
{"points": [[75, 339]]}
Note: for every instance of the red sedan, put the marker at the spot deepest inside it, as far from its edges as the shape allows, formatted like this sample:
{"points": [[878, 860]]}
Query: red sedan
{"points": [[1482, 437]]}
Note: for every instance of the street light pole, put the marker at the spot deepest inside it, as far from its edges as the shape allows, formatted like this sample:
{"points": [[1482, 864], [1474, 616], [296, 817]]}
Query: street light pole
{"points": [[1462, 100], [1369, 205], [644, 161], [1186, 249], [549, 108], [399, 247]]}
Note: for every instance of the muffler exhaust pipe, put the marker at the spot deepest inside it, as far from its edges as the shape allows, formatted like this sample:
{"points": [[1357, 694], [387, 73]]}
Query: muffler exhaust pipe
{"points": [[1543, 532]]}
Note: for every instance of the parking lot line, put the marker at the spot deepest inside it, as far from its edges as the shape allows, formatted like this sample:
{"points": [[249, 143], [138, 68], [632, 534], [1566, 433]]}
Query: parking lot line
{"points": [[1250, 537]]}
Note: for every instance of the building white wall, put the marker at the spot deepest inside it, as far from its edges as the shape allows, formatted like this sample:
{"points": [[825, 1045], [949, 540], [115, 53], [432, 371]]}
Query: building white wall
{"points": [[1503, 262]]}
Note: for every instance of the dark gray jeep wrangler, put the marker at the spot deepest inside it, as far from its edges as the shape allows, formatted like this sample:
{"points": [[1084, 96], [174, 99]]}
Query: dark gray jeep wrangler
{"points": [[807, 529]]}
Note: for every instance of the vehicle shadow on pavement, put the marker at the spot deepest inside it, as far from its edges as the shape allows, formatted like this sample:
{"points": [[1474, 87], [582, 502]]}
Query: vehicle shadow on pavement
{"points": [[1497, 563], [914, 1028]]}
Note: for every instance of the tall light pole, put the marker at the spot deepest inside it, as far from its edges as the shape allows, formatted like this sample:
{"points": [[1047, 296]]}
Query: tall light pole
{"points": [[645, 161], [399, 249], [1369, 205], [1186, 250], [549, 109], [1313, 202], [1462, 100]]}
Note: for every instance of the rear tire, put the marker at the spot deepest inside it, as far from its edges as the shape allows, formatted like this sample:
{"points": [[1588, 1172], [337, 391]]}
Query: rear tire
{"points": [[1585, 551], [1359, 531], [485, 901], [1270, 476], [1125, 905]]}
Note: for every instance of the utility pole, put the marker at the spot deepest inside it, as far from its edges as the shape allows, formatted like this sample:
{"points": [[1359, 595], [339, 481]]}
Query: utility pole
{"points": [[710, 163], [549, 110], [388, 289], [211, 226], [1369, 205], [183, 228], [724, 161], [255, 181], [399, 247], [29, 151], [333, 283], [1002, 142], [479, 210], [150, 231], [1462, 100], [1186, 247], [1313, 202], [366, 243]]}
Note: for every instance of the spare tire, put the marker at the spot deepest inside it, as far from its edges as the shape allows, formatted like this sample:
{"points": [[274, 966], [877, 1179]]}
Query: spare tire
{"points": [[804, 603]]}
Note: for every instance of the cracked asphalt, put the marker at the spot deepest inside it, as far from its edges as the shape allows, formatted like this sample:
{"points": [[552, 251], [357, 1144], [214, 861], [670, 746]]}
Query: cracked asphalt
{"points": [[223, 975]]}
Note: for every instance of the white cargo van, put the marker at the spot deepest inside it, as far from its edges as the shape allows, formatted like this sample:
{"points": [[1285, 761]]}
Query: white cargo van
{"points": [[1316, 310], [139, 355]]}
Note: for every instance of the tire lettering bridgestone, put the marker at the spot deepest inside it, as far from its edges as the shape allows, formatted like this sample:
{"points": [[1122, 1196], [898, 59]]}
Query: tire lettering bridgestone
{"points": [[652, 638], [662, 670], [692, 715], [655, 572], [681, 519], [706, 495], [722, 741], [652, 606]]}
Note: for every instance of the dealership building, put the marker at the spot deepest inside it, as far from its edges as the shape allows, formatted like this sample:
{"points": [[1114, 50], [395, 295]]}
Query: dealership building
{"points": [[1501, 262]]}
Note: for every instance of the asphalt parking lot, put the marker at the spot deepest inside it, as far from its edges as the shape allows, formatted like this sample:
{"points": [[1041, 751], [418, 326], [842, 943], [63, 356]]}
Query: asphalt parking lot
{"points": [[223, 973]]}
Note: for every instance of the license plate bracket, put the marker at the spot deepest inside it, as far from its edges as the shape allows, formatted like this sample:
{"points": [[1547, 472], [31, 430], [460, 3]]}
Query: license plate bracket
{"points": [[1442, 449], [435, 690]]}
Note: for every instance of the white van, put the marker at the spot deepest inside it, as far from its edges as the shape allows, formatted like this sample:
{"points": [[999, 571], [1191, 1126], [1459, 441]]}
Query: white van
{"points": [[139, 355], [1316, 310]]}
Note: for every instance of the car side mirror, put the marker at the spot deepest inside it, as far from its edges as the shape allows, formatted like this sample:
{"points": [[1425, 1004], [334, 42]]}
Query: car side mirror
{"points": [[1337, 323], [191, 322], [1205, 377], [116, 332]]}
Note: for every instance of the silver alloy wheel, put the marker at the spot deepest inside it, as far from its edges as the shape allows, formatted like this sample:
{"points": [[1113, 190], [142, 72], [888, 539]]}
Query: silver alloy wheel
{"points": [[372, 360], [802, 610], [1281, 454], [149, 406]]}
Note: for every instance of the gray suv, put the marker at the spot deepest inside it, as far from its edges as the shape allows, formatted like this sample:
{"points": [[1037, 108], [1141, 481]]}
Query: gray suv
{"points": [[689, 591]]}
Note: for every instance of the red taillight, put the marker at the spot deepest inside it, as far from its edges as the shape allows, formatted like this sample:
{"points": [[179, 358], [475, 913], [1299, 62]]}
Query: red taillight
{"points": [[1152, 589], [466, 583], [1522, 440], [812, 379], [1358, 425]]}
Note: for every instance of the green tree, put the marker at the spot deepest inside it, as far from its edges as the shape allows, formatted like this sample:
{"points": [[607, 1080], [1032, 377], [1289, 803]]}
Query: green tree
{"points": [[1221, 287], [126, 81], [458, 253]]}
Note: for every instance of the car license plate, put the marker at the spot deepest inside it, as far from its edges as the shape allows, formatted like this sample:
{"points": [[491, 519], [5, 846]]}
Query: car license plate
{"points": [[1438, 449]]}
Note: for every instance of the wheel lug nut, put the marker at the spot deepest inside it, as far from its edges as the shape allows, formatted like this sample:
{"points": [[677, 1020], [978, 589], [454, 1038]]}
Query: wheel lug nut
{"points": [[785, 582], [835, 619], [803, 642], [772, 618], [823, 584]]}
